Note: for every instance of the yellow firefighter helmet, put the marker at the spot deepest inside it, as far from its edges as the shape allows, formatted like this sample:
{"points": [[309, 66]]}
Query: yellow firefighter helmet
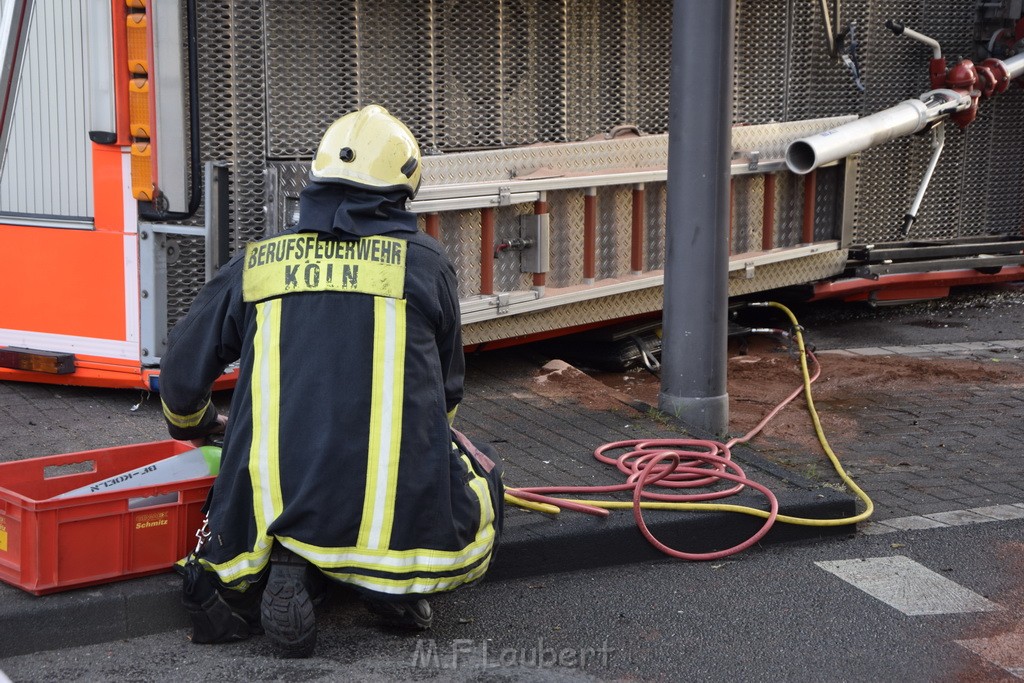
{"points": [[370, 149]]}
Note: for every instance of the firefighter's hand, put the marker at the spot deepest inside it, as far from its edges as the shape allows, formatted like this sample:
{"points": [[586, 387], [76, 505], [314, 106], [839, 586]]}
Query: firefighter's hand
{"points": [[222, 424]]}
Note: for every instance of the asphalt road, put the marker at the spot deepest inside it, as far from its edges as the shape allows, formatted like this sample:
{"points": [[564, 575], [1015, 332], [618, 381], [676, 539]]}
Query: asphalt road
{"points": [[768, 615]]}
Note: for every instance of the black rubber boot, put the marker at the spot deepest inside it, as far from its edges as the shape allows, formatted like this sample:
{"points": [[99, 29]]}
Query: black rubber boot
{"points": [[415, 614], [213, 621], [246, 604], [286, 608]]}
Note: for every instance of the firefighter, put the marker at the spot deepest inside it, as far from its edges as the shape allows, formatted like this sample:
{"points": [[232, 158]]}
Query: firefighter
{"points": [[339, 459]]}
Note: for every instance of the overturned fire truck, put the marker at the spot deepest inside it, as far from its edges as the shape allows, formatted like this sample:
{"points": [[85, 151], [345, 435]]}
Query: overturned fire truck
{"points": [[876, 154]]}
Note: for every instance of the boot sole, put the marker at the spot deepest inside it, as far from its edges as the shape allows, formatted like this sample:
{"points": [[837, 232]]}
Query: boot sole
{"points": [[286, 612]]}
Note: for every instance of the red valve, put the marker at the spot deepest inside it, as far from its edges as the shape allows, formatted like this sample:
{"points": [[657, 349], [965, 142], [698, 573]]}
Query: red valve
{"points": [[963, 77], [994, 72]]}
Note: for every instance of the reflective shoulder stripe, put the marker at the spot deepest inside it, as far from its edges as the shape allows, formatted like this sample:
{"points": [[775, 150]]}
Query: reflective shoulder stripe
{"points": [[183, 421], [304, 263]]}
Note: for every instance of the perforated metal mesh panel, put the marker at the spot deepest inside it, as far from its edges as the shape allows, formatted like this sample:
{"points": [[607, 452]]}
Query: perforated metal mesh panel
{"points": [[312, 73], [783, 71], [1004, 181], [890, 174], [798, 271], [186, 274], [468, 74], [494, 74]]}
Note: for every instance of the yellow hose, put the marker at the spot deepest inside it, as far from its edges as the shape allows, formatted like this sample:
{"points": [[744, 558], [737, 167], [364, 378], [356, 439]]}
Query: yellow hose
{"points": [[743, 509], [530, 505], [869, 506]]}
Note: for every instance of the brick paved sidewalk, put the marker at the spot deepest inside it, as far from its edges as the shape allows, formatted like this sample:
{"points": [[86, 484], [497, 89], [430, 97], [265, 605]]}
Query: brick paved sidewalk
{"points": [[941, 456]]}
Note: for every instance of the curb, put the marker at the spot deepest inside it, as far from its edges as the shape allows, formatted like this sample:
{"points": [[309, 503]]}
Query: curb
{"points": [[533, 545]]}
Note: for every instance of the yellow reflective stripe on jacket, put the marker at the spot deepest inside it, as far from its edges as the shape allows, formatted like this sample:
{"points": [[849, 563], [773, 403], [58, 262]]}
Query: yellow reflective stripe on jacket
{"points": [[451, 415], [394, 561], [479, 486], [264, 469], [303, 263], [184, 421], [387, 398], [415, 584], [244, 565]]}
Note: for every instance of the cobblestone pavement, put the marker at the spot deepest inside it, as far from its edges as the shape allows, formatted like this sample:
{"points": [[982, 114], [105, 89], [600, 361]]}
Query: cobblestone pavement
{"points": [[927, 455]]}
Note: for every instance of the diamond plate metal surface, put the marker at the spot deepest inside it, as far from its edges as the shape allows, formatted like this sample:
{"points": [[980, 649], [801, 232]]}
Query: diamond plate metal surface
{"points": [[566, 209], [460, 237], [507, 267], [827, 203], [747, 212], [504, 164], [654, 234], [643, 301], [614, 226], [789, 207], [783, 274], [460, 230], [579, 313]]}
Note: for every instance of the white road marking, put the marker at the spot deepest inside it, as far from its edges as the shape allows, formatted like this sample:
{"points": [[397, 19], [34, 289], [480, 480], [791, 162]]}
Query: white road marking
{"points": [[908, 586], [915, 522], [959, 517], [939, 520], [1001, 512]]}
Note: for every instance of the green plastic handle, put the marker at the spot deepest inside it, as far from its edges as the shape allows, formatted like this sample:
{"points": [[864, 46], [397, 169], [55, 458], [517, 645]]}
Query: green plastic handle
{"points": [[212, 456]]}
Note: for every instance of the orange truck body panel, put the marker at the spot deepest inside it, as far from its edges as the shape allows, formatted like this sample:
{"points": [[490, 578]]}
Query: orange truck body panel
{"points": [[63, 281]]}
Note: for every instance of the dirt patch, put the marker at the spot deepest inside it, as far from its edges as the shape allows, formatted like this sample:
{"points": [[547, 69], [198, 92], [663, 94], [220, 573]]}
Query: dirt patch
{"points": [[767, 373], [563, 383]]}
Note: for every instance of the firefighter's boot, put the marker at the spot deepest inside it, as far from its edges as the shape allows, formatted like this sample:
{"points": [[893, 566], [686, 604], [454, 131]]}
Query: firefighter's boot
{"points": [[287, 608], [213, 620], [415, 614]]}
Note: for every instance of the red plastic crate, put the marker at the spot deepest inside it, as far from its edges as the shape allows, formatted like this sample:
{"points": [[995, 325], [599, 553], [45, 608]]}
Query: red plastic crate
{"points": [[53, 545]]}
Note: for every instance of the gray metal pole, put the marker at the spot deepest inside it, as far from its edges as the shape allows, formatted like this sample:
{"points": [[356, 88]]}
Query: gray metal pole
{"points": [[695, 324]]}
